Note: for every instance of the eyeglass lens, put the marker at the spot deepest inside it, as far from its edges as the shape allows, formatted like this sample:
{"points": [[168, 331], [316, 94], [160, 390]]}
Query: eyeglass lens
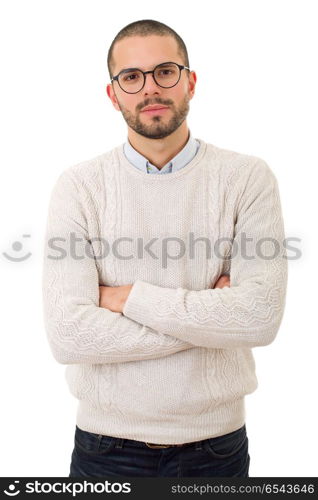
{"points": [[165, 75]]}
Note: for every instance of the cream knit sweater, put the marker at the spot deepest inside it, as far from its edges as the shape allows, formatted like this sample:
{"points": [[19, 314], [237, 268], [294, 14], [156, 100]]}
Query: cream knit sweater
{"points": [[176, 365]]}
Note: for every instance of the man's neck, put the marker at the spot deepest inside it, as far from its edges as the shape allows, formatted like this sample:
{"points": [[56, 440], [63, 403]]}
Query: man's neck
{"points": [[159, 151]]}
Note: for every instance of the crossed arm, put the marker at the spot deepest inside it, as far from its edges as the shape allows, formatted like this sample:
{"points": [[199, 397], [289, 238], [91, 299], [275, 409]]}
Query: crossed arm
{"points": [[114, 298], [86, 323]]}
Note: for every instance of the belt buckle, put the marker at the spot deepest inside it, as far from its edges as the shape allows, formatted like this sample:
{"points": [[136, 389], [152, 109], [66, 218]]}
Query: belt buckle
{"points": [[152, 445]]}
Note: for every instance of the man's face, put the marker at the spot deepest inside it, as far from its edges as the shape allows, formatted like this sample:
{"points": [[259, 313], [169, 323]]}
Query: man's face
{"points": [[145, 53]]}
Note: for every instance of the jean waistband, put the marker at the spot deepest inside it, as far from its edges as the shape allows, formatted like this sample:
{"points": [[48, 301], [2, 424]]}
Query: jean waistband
{"points": [[197, 444]]}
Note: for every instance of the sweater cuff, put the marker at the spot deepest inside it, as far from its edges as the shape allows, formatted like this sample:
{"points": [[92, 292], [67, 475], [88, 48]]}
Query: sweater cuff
{"points": [[142, 300]]}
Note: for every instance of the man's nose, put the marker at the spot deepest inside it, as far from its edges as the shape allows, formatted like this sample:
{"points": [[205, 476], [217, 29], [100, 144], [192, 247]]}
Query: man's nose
{"points": [[150, 85]]}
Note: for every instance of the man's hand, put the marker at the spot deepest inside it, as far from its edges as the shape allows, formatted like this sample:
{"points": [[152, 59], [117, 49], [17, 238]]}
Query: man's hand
{"points": [[113, 297], [223, 281]]}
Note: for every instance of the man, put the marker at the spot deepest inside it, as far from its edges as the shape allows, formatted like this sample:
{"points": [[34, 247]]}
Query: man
{"points": [[142, 244]]}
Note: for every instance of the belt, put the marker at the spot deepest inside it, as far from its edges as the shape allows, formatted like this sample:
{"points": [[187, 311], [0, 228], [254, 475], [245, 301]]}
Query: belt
{"points": [[153, 445]]}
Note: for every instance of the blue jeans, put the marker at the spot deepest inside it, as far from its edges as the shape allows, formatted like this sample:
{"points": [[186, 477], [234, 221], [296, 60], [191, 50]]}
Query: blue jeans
{"points": [[97, 455]]}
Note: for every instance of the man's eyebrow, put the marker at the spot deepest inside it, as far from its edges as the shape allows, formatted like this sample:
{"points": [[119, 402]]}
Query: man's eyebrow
{"points": [[136, 67], [127, 69]]}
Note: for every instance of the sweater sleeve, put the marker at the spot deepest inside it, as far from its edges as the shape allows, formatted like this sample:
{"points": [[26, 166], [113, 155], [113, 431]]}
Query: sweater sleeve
{"points": [[249, 312], [78, 330]]}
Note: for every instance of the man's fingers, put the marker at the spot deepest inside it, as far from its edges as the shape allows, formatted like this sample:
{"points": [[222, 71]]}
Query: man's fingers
{"points": [[223, 281]]}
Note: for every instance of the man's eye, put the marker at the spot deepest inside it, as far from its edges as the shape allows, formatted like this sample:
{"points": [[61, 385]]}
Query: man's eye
{"points": [[165, 71], [130, 77]]}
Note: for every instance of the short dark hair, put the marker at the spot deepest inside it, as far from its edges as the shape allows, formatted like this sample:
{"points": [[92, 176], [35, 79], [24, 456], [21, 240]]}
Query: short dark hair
{"points": [[147, 27]]}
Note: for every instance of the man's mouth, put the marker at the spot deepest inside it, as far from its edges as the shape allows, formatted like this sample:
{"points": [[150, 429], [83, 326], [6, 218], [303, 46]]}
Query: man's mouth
{"points": [[154, 110], [154, 107]]}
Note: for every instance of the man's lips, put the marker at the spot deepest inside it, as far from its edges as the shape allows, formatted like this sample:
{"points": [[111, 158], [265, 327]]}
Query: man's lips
{"points": [[154, 108]]}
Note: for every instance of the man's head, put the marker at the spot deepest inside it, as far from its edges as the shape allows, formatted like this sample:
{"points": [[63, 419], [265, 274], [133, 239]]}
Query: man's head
{"points": [[145, 44]]}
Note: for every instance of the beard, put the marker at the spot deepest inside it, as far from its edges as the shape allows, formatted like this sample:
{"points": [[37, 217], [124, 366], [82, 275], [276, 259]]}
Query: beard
{"points": [[157, 129]]}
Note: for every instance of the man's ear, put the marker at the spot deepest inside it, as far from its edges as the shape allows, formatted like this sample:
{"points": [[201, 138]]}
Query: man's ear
{"points": [[111, 94], [192, 82]]}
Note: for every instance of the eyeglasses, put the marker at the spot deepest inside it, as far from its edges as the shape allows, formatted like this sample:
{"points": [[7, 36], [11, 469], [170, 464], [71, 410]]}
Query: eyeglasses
{"points": [[166, 75]]}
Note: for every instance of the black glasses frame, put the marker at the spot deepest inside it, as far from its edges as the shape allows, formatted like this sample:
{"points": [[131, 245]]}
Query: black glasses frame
{"points": [[128, 70]]}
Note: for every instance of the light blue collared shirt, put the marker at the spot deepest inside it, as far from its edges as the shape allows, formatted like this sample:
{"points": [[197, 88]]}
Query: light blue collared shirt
{"points": [[180, 160]]}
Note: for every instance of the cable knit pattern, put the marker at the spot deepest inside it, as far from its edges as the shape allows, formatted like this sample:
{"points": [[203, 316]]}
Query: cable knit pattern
{"points": [[176, 365], [248, 313]]}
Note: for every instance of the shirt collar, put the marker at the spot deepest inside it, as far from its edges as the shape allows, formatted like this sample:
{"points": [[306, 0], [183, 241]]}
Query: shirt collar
{"points": [[179, 161]]}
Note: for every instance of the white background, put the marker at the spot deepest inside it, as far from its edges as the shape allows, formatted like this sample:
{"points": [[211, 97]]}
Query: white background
{"points": [[256, 93]]}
